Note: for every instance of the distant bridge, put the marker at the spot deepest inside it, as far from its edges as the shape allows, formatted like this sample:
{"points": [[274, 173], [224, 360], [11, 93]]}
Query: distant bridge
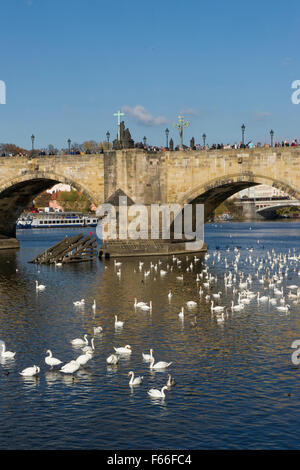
{"points": [[265, 207], [269, 211]]}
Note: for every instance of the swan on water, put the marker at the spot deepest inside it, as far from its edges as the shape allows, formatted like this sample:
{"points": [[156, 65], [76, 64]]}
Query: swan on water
{"points": [[30, 371], [118, 323], [98, 329], [89, 349], [94, 305], [181, 313], [147, 307], [50, 360], [159, 365], [134, 380], [77, 303], [171, 382], [39, 286], [153, 392], [191, 304], [147, 357], [112, 359], [79, 341], [283, 308], [70, 367], [123, 350], [237, 307], [139, 304], [170, 295], [83, 358], [217, 308], [6, 354]]}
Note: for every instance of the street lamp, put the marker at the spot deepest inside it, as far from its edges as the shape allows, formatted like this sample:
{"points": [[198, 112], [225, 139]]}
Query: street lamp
{"points": [[145, 140], [107, 136], [243, 134], [167, 137], [203, 137], [32, 142], [272, 135], [69, 144]]}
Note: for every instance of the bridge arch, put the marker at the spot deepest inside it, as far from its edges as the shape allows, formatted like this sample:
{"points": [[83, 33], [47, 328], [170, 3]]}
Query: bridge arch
{"points": [[17, 193], [216, 191]]}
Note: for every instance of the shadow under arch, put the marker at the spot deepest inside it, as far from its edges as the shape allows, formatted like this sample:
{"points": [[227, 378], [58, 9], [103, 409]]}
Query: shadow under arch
{"points": [[16, 194], [213, 193]]}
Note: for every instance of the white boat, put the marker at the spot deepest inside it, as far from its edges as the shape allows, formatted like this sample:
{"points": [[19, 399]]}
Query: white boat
{"points": [[57, 220]]}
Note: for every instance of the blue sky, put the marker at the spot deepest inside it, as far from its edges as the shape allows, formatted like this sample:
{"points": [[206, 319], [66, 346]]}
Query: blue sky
{"points": [[69, 65]]}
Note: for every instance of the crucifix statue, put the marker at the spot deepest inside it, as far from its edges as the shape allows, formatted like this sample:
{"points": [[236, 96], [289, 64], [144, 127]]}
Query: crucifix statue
{"points": [[119, 114], [180, 126]]}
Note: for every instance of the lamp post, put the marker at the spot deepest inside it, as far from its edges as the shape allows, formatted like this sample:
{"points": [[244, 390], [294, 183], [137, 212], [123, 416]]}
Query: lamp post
{"points": [[32, 142], [243, 134], [69, 145], [107, 136], [145, 140], [272, 135], [180, 126], [204, 138], [167, 138]]}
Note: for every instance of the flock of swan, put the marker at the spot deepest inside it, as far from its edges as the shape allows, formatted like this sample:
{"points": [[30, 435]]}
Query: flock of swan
{"points": [[224, 296], [87, 354]]}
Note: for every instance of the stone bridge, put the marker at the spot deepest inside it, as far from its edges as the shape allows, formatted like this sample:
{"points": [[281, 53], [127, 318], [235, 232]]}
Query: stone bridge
{"points": [[207, 177]]}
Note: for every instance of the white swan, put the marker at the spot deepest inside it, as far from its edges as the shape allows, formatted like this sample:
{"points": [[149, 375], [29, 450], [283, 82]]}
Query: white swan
{"points": [[139, 304], [283, 308], [83, 358], [125, 350], [89, 349], [153, 392], [191, 304], [79, 341], [118, 323], [77, 303], [70, 367], [159, 365], [39, 286], [134, 380], [170, 295], [6, 354], [217, 308], [98, 329], [94, 305], [147, 307], [181, 313], [171, 382], [237, 307], [30, 371], [51, 361], [112, 359], [147, 357]]}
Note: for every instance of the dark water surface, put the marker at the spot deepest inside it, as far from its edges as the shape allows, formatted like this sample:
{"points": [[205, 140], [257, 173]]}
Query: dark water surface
{"points": [[236, 387]]}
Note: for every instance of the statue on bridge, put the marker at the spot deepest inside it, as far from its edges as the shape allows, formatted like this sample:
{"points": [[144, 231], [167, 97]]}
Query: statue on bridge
{"points": [[125, 141]]}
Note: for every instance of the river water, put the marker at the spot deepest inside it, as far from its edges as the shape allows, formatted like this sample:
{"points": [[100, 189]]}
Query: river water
{"points": [[236, 387]]}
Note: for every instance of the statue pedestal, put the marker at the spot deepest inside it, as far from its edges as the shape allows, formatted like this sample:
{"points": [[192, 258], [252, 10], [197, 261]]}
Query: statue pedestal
{"points": [[121, 248]]}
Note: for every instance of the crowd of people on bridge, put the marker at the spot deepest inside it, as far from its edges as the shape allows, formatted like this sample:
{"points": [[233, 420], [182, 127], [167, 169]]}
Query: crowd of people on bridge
{"points": [[155, 148]]}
